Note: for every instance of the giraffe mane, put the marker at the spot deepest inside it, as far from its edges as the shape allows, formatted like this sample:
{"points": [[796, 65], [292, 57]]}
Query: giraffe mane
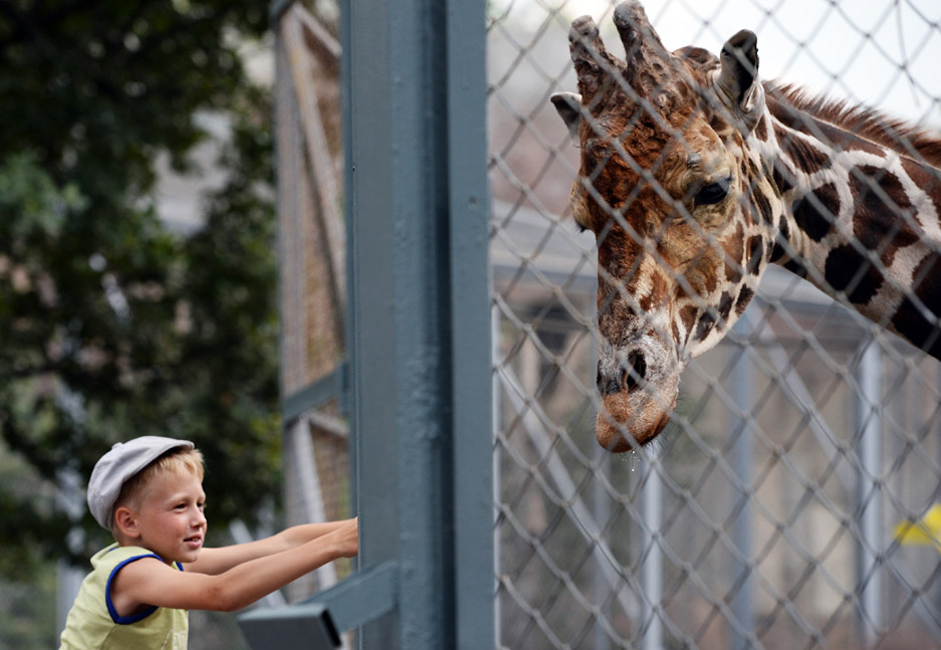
{"points": [[863, 121]]}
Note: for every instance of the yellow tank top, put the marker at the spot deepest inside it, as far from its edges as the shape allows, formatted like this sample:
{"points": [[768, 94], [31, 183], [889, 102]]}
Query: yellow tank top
{"points": [[93, 624]]}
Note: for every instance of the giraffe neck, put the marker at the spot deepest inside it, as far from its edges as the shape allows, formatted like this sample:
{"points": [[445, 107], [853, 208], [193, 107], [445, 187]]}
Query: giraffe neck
{"points": [[858, 218]]}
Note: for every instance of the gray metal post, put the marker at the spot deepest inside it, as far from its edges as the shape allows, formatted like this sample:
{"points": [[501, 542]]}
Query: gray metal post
{"points": [[300, 454], [601, 511], [471, 368], [741, 459], [652, 567], [372, 349], [496, 418], [419, 339], [421, 371], [869, 495]]}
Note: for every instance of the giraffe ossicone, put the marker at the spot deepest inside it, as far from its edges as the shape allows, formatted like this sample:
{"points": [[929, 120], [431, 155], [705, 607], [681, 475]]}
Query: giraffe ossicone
{"points": [[695, 176]]}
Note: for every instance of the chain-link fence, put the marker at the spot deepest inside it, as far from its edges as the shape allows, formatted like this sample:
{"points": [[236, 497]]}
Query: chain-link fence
{"points": [[770, 513], [312, 272]]}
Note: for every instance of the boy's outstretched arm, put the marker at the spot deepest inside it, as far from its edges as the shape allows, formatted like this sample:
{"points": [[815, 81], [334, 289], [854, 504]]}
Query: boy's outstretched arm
{"points": [[151, 582], [217, 560]]}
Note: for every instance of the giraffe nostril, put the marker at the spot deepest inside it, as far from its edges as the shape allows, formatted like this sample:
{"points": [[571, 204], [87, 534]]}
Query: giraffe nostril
{"points": [[611, 387], [606, 386], [633, 377], [629, 377]]}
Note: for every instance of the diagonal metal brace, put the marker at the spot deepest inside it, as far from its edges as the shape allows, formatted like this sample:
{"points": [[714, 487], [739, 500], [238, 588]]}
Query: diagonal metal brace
{"points": [[320, 619]]}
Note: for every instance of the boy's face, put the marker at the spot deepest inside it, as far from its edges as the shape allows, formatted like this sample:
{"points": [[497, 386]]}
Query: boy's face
{"points": [[170, 519]]}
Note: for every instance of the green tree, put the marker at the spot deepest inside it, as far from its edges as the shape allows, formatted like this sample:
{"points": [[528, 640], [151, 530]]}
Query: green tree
{"points": [[110, 325]]}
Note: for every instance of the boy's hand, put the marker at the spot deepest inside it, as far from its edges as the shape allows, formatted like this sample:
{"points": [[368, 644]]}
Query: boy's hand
{"points": [[346, 538]]}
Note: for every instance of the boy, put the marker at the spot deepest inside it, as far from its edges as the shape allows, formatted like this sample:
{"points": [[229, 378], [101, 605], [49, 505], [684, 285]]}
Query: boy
{"points": [[149, 493]]}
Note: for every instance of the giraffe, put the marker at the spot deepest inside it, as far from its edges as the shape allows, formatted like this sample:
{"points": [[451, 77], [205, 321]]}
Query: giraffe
{"points": [[695, 176]]}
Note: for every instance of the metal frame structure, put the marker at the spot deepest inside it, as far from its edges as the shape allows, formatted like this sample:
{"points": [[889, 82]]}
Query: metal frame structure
{"points": [[418, 337], [451, 403]]}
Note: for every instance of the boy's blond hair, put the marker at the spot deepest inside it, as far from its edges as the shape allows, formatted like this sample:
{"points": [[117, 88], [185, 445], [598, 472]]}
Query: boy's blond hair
{"points": [[179, 461]]}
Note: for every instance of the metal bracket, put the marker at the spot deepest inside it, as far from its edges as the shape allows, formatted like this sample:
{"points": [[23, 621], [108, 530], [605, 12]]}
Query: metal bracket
{"points": [[332, 385], [281, 628], [357, 600]]}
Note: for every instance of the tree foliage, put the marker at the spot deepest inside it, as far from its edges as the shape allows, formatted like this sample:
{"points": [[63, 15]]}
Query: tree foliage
{"points": [[110, 325]]}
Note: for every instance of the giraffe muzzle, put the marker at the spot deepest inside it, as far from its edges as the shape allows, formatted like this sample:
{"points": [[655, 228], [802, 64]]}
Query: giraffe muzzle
{"points": [[638, 390]]}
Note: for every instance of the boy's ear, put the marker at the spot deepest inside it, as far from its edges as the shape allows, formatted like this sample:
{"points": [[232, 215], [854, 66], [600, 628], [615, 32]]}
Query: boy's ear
{"points": [[126, 521]]}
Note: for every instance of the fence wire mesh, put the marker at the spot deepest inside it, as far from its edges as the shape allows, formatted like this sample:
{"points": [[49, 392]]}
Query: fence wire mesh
{"points": [[312, 272], [772, 511]]}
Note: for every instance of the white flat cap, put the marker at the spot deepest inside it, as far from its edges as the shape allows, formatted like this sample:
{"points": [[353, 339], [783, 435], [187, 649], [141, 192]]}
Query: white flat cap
{"points": [[121, 463]]}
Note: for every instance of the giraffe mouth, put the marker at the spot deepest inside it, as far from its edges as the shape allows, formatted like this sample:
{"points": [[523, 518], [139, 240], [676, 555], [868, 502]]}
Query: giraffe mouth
{"points": [[627, 423], [639, 392]]}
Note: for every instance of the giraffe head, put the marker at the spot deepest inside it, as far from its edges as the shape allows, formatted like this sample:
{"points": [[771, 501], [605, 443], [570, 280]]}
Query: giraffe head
{"points": [[668, 187]]}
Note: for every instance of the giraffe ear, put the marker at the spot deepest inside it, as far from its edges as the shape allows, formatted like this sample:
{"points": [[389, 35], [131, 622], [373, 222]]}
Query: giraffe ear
{"points": [[569, 107], [737, 82]]}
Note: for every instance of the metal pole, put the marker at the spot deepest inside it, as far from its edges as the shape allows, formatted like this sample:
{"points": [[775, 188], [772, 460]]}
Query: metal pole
{"points": [[869, 495], [367, 74], [302, 459], [741, 458], [652, 567], [420, 292], [496, 355], [469, 326], [601, 511]]}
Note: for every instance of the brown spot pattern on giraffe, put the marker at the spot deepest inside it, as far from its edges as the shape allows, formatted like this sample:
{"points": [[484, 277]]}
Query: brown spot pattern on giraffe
{"points": [[657, 293], [778, 249], [850, 270], [688, 316], [882, 214], [703, 277], [925, 179], [783, 177], [735, 255], [815, 213], [726, 302], [910, 320], [764, 207], [804, 156], [706, 322], [755, 254], [744, 297]]}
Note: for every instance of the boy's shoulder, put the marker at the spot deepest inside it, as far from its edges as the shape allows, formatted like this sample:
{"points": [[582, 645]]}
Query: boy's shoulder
{"points": [[117, 551], [115, 556]]}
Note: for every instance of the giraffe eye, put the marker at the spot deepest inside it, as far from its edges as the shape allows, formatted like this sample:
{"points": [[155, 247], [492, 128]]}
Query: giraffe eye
{"points": [[713, 192]]}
